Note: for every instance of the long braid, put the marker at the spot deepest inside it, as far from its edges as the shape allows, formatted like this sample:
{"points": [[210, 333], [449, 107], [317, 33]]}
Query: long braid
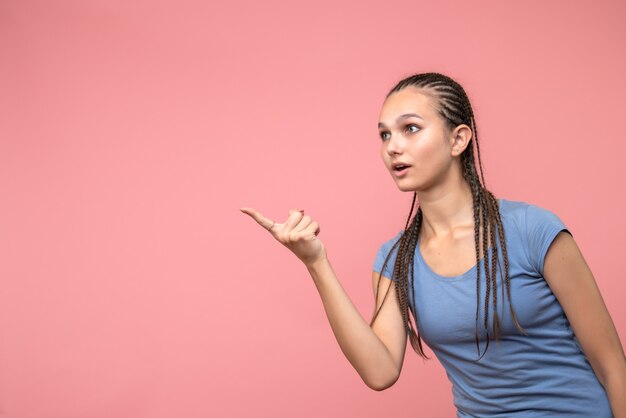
{"points": [[485, 215], [476, 193], [399, 242], [415, 339], [407, 240], [493, 209], [454, 107], [506, 275]]}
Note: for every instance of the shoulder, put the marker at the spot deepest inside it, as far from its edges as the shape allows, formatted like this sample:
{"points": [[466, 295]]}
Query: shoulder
{"points": [[538, 228], [510, 207], [527, 215], [386, 246], [513, 214], [385, 258]]}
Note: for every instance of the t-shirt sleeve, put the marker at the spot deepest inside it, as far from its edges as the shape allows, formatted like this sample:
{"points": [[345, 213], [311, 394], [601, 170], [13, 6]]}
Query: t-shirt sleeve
{"points": [[542, 226], [382, 254]]}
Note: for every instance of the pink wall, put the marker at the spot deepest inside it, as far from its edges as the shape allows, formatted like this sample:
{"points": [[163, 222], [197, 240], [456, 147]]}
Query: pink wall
{"points": [[132, 132]]}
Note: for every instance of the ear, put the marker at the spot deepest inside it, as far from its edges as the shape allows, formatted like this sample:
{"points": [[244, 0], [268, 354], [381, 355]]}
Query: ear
{"points": [[459, 138]]}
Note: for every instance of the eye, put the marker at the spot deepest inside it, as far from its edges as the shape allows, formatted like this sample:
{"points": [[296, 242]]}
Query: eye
{"points": [[383, 135], [408, 127]]}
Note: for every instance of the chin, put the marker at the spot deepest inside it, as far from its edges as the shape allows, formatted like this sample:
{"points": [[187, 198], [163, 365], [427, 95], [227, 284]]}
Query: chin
{"points": [[408, 184], [405, 188]]}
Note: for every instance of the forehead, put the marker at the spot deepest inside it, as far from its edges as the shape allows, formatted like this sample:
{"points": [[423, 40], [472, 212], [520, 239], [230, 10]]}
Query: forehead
{"points": [[408, 100]]}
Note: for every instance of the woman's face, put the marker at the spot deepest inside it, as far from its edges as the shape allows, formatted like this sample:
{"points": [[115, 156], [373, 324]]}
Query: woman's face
{"points": [[415, 143]]}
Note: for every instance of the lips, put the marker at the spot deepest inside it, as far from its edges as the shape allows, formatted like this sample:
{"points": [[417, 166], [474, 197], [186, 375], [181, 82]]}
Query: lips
{"points": [[398, 166], [400, 169]]}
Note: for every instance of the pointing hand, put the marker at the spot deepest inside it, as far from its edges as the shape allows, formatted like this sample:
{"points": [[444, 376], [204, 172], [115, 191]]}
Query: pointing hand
{"points": [[298, 233]]}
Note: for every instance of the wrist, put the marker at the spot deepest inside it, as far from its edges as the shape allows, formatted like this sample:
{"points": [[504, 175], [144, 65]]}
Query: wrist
{"points": [[316, 264]]}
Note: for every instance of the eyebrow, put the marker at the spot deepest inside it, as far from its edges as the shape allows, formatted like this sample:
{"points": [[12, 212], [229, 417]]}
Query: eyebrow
{"points": [[406, 115]]}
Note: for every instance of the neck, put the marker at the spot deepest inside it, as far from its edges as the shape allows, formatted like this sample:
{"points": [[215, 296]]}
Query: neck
{"points": [[446, 209]]}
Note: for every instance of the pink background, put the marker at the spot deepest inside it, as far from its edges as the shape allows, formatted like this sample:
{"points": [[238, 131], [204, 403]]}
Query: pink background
{"points": [[132, 131]]}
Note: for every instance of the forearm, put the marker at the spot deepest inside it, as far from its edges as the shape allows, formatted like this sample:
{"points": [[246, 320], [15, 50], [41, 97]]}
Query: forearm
{"points": [[361, 346], [615, 387]]}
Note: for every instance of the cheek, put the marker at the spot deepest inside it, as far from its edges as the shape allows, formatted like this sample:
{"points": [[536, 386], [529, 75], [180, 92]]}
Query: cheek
{"points": [[430, 158], [383, 153], [425, 152]]}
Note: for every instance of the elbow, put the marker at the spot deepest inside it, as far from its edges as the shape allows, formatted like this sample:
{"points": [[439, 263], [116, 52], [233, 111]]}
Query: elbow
{"points": [[381, 383], [611, 371], [616, 376]]}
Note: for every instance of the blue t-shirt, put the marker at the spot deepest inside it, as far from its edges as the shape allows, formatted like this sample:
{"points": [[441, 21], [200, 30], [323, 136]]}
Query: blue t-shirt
{"points": [[544, 373]]}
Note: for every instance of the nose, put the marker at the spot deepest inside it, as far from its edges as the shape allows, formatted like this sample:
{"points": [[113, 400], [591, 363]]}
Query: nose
{"points": [[394, 145]]}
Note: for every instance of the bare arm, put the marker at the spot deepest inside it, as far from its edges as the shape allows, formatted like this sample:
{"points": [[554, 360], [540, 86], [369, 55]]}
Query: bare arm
{"points": [[375, 352], [573, 284]]}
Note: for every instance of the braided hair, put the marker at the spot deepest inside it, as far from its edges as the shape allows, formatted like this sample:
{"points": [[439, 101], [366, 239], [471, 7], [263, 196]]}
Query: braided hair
{"points": [[454, 107]]}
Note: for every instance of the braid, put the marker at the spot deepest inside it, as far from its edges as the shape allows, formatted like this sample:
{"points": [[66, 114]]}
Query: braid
{"points": [[507, 280], [476, 193], [454, 107], [485, 214], [493, 208], [415, 339], [403, 270]]}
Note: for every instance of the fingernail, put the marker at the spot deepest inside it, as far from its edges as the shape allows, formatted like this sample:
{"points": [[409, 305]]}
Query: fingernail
{"points": [[301, 211]]}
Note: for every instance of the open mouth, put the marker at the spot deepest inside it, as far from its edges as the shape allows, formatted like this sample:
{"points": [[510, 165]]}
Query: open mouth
{"points": [[400, 169]]}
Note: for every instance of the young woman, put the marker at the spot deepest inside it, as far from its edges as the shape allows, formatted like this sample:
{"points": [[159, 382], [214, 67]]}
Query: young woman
{"points": [[556, 350]]}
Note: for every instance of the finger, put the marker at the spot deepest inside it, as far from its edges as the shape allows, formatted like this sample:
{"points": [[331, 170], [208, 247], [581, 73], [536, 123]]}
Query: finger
{"points": [[294, 210], [313, 228], [304, 222], [292, 220], [261, 220]]}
